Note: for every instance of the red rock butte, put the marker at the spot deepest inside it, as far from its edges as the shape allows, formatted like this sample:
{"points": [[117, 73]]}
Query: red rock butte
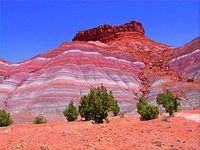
{"points": [[104, 33], [121, 58]]}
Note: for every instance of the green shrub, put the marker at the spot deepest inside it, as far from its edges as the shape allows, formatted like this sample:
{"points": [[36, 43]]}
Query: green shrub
{"points": [[5, 118], [115, 108], [141, 105], [85, 108], [39, 119], [96, 105], [168, 101], [146, 110], [71, 112], [151, 112], [114, 105]]}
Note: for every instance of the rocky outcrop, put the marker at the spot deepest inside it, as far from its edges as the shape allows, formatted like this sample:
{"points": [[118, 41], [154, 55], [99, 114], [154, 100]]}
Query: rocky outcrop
{"points": [[104, 32], [186, 61]]}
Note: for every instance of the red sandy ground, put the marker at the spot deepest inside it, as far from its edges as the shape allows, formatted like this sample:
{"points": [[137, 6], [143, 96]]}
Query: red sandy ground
{"points": [[128, 133]]}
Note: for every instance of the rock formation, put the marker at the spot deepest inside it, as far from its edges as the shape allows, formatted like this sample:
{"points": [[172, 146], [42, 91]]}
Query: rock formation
{"points": [[121, 58], [189, 55], [104, 33]]}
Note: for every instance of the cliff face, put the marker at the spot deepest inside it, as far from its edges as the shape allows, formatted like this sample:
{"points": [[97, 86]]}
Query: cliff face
{"points": [[104, 32], [186, 60], [128, 63], [48, 82]]}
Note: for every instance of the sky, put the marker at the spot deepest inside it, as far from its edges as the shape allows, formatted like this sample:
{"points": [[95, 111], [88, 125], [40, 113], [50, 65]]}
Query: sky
{"points": [[28, 28]]}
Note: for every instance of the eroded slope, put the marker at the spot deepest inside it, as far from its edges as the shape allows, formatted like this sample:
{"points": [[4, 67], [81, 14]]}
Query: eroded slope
{"points": [[125, 61]]}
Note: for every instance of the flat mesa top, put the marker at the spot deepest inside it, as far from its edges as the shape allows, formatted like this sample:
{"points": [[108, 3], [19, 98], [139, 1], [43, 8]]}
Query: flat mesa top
{"points": [[104, 31]]}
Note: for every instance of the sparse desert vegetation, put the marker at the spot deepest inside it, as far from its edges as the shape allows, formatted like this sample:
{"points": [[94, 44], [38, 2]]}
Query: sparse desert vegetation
{"points": [[39, 119], [170, 102], [5, 118], [99, 102], [120, 133], [146, 110], [71, 112], [96, 105]]}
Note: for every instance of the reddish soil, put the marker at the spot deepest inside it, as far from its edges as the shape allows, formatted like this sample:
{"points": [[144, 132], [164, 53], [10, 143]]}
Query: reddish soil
{"points": [[126, 133]]}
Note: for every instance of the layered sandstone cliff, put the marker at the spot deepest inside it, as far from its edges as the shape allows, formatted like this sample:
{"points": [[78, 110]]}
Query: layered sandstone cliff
{"points": [[186, 60], [105, 33]]}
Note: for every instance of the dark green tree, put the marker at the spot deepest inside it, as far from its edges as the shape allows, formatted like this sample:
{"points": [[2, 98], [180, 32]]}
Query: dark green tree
{"points": [[115, 108], [170, 102], [86, 108], [146, 110], [141, 105], [96, 105], [5, 118], [39, 119], [71, 112]]}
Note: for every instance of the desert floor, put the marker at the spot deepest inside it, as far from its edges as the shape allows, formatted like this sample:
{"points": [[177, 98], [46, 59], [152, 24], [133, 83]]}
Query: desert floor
{"points": [[128, 133]]}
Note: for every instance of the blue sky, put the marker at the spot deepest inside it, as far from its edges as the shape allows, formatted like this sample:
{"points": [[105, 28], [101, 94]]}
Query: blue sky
{"points": [[28, 28]]}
